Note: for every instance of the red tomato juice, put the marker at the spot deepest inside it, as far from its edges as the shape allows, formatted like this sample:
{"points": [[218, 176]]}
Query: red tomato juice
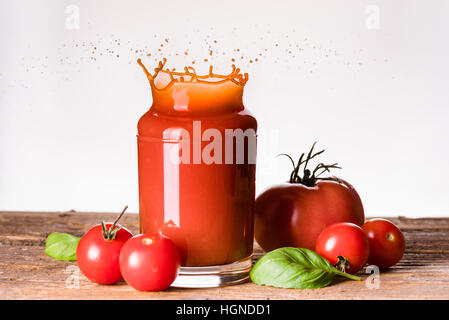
{"points": [[196, 162]]}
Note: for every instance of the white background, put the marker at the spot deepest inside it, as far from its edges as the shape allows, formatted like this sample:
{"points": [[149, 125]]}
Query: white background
{"points": [[368, 80]]}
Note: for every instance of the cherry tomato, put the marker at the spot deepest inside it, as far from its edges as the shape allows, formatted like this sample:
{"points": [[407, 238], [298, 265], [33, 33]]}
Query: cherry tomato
{"points": [[345, 245], [98, 258], [293, 215], [150, 262], [387, 243]]}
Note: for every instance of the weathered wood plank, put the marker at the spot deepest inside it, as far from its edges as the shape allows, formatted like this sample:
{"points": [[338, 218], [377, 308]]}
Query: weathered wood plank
{"points": [[27, 273]]}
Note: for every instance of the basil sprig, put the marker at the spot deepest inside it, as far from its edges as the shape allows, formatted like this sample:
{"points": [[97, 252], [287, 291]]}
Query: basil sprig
{"points": [[295, 268], [61, 246]]}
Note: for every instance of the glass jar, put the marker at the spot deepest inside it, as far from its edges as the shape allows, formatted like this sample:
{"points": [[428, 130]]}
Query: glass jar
{"points": [[196, 161]]}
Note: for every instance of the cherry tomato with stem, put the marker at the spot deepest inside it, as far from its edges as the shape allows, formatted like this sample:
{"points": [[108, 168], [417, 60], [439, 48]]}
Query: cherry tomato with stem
{"points": [[387, 243], [150, 262], [345, 245], [98, 251]]}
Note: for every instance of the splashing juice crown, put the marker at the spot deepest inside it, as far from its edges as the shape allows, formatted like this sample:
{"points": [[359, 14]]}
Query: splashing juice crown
{"points": [[189, 92]]}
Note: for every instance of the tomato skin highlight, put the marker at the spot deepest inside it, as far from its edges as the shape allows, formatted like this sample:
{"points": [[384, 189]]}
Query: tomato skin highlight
{"points": [[347, 240], [293, 215], [150, 262], [98, 259], [387, 243]]}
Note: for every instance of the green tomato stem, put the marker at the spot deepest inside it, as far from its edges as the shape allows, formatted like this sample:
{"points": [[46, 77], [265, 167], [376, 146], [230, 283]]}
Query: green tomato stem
{"points": [[347, 275]]}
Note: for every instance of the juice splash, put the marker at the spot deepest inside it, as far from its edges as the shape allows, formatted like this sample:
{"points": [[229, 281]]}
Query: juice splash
{"points": [[189, 91]]}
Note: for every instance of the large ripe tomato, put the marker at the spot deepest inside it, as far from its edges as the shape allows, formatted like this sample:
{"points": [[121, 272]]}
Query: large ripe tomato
{"points": [[150, 262], [293, 214], [387, 243], [98, 258], [345, 245]]}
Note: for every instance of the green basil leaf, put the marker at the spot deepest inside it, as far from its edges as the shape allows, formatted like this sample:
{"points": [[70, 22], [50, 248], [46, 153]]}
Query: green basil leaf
{"points": [[294, 268], [61, 246]]}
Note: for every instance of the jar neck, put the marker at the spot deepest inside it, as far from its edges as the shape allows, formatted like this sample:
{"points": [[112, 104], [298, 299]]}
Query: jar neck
{"points": [[198, 98]]}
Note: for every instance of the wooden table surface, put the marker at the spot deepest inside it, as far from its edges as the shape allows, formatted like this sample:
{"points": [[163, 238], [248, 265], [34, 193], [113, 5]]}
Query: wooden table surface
{"points": [[26, 272]]}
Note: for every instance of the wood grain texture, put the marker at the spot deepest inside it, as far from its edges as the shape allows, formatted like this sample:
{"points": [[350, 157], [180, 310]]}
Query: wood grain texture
{"points": [[26, 272]]}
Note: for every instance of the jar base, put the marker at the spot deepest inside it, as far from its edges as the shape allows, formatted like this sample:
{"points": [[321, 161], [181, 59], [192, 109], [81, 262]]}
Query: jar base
{"points": [[214, 276]]}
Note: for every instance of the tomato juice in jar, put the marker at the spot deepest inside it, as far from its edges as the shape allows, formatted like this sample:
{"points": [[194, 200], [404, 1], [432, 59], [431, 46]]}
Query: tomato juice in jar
{"points": [[196, 161]]}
